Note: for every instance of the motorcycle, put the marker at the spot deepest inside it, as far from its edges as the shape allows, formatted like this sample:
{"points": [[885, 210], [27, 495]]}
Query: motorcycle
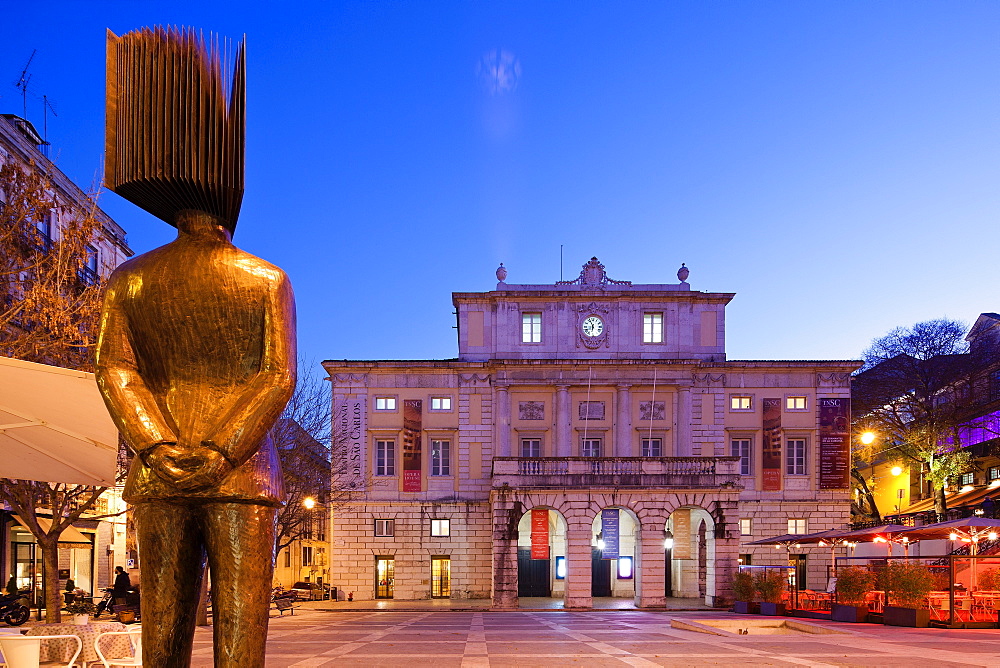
{"points": [[13, 609], [108, 603]]}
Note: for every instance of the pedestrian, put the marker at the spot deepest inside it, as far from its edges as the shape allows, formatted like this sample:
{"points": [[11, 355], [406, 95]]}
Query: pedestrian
{"points": [[989, 507], [122, 586], [12, 585]]}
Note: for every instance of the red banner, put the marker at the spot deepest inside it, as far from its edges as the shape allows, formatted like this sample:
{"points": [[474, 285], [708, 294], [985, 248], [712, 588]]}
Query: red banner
{"points": [[834, 443], [412, 446], [539, 533], [771, 450]]}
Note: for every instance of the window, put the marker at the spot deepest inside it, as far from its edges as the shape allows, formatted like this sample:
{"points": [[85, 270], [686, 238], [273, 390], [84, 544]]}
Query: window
{"points": [[652, 328], [531, 447], [741, 448], [440, 527], [307, 555], [288, 557], [440, 403], [798, 526], [385, 457], [745, 560], [746, 526], [967, 478], [440, 457], [994, 472], [652, 447], [385, 403], [625, 568], [795, 456], [531, 327], [795, 403], [385, 528], [591, 447], [740, 402]]}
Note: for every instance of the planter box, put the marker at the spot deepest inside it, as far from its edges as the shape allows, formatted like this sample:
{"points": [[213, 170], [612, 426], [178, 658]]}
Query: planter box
{"points": [[745, 607], [773, 609], [893, 616], [849, 613]]}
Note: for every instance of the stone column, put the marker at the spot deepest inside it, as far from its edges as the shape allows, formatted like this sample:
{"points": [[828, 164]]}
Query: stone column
{"points": [[684, 421], [506, 514], [578, 563], [651, 569], [623, 423], [564, 423], [502, 418], [727, 548]]}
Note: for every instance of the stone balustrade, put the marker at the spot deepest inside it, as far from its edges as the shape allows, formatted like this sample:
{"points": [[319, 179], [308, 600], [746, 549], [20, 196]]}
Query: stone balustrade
{"points": [[618, 472]]}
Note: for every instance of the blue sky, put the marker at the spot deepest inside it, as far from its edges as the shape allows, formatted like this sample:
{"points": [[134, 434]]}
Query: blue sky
{"points": [[835, 164]]}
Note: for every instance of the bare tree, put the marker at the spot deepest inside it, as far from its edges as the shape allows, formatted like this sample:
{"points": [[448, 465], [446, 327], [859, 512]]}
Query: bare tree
{"points": [[914, 391]]}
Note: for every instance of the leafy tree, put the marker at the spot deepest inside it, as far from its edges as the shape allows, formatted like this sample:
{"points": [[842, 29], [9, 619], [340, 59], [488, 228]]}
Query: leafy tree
{"points": [[914, 391]]}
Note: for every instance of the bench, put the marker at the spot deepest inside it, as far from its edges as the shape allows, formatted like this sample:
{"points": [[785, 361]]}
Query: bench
{"points": [[285, 603]]}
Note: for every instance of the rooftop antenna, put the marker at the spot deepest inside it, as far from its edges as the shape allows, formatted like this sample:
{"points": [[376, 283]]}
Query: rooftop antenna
{"points": [[560, 261], [22, 84], [47, 106]]}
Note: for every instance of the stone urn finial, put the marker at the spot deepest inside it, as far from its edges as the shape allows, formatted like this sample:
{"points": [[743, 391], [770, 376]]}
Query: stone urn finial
{"points": [[683, 273], [501, 273]]}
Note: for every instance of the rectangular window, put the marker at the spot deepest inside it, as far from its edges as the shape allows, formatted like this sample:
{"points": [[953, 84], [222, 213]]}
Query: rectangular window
{"points": [[440, 457], [798, 526], [652, 447], [440, 403], [746, 526], [385, 457], [288, 557], [741, 448], [531, 327], [740, 402], [307, 555], [385, 528], [440, 528], [967, 478], [385, 403], [995, 473], [652, 328], [745, 560], [795, 456], [531, 447], [795, 403], [591, 447]]}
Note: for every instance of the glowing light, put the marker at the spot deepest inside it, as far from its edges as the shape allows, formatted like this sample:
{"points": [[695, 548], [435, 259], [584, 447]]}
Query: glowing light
{"points": [[309, 503], [600, 544], [967, 488], [896, 470], [868, 437], [995, 483], [668, 543], [992, 535], [879, 539], [953, 536], [906, 539]]}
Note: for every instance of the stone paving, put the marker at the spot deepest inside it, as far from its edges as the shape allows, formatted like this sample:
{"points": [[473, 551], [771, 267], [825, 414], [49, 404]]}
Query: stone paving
{"points": [[314, 637]]}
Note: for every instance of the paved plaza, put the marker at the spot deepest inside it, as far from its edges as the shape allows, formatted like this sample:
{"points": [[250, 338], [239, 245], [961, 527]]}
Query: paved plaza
{"points": [[479, 638]]}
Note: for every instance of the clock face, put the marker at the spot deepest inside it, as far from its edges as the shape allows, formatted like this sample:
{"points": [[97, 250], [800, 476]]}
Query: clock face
{"points": [[593, 326]]}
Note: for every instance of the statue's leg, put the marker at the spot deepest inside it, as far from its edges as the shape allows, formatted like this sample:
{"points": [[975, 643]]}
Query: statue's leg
{"points": [[173, 559], [240, 541]]}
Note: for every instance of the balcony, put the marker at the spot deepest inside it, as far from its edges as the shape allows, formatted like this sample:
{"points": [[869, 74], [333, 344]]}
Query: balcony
{"points": [[617, 472]]}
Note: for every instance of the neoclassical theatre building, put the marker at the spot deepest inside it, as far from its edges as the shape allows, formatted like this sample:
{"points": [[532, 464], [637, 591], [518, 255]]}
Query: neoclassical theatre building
{"points": [[591, 439]]}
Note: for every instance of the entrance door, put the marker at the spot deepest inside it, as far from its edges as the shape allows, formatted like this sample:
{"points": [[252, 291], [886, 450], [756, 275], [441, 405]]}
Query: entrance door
{"points": [[600, 574], [27, 571], [532, 574], [440, 577], [385, 573]]}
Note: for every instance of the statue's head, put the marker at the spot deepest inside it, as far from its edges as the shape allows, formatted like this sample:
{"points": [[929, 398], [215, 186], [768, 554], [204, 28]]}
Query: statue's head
{"points": [[176, 124]]}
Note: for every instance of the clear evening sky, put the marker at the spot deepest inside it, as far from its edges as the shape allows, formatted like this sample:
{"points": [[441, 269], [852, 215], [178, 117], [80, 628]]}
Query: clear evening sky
{"points": [[835, 164]]}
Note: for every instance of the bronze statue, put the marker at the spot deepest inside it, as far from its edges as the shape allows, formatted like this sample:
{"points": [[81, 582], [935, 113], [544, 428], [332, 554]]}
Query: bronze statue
{"points": [[196, 355]]}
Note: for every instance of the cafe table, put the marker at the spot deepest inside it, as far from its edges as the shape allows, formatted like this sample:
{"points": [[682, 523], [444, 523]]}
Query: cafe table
{"points": [[61, 649]]}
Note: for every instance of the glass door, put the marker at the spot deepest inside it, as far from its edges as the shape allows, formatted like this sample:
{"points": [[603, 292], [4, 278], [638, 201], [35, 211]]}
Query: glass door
{"points": [[440, 577], [385, 573]]}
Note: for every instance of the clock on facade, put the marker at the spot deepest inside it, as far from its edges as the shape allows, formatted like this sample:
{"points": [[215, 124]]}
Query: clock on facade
{"points": [[593, 326]]}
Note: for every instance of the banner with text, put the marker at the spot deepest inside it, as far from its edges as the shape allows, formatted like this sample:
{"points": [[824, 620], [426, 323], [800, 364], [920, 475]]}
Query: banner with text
{"points": [[349, 429], [834, 443], [539, 533], [413, 424], [771, 446], [609, 532], [681, 520]]}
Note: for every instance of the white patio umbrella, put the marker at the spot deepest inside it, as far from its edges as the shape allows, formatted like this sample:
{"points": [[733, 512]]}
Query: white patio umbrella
{"points": [[54, 426]]}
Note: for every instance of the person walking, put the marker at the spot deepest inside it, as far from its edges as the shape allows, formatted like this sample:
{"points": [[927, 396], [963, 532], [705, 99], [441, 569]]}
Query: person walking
{"points": [[123, 584], [989, 507]]}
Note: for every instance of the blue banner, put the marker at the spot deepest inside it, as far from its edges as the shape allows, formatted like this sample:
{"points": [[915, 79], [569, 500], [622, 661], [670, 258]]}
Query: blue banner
{"points": [[609, 532]]}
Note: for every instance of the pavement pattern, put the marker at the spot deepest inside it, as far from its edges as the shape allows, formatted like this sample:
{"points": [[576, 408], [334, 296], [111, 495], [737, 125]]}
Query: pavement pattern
{"points": [[479, 638]]}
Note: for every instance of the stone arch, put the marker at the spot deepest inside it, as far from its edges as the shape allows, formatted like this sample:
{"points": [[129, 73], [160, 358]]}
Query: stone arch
{"points": [[557, 544]]}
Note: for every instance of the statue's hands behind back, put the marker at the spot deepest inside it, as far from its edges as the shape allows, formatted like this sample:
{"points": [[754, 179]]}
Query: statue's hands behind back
{"points": [[186, 468]]}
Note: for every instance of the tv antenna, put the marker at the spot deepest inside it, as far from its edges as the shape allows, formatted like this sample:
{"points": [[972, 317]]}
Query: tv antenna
{"points": [[22, 84], [47, 106]]}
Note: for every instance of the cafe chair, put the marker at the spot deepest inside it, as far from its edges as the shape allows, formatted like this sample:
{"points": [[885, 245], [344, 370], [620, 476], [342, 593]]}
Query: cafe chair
{"points": [[25, 651], [134, 635]]}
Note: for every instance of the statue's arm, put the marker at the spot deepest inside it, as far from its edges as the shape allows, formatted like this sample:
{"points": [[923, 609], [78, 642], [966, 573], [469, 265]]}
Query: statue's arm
{"points": [[239, 432], [129, 400]]}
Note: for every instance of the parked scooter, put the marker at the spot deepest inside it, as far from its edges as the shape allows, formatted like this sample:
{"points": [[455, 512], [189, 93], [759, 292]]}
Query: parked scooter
{"points": [[132, 603], [14, 609]]}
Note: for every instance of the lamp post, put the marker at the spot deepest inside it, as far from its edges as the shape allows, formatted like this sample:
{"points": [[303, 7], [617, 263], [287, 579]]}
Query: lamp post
{"points": [[668, 548]]}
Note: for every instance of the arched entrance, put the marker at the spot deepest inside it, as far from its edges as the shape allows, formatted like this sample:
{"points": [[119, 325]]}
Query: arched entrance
{"points": [[614, 548], [690, 554], [541, 553]]}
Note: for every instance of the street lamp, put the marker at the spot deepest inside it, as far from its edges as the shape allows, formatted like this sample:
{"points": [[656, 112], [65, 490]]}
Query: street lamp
{"points": [[309, 503], [867, 438]]}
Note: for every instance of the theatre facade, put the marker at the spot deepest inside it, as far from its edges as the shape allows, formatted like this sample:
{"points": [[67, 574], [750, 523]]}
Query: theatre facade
{"points": [[591, 439]]}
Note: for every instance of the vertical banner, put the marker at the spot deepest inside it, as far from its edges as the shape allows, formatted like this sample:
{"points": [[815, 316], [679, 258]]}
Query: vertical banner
{"points": [[834, 443], [539, 533], [349, 433], [682, 533], [413, 425], [609, 532], [771, 454]]}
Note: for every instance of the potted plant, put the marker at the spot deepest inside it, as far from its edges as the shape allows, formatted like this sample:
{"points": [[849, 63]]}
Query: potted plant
{"points": [[770, 585], [853, 582], [81, 609], [906, 586], [743, 592]]}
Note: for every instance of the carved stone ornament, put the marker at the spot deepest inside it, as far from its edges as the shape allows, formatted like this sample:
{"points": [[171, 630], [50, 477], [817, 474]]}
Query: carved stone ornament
{"points": [[683, 273], [833, 379], [531, 410], [593, 276], [655, 410], [708, 379], [592, 326], [501, 273]]}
